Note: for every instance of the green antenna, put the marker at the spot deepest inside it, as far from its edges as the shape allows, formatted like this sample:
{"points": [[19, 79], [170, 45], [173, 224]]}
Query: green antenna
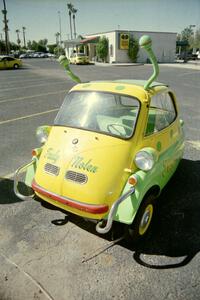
{"points": [[145, 42], [65, 63]]}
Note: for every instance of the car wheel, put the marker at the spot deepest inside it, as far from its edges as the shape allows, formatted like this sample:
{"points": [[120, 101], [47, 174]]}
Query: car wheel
{"points": [[142, 222], [16, 66]]}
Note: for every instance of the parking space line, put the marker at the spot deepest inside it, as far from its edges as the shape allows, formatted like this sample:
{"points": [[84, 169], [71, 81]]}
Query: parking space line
{"points": [[33, 96], [31, 86], [29, 116], [8, 176]]}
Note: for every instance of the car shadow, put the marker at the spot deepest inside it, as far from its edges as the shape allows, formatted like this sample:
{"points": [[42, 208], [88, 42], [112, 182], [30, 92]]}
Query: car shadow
{"points": [[7, 193], [175, 230]]}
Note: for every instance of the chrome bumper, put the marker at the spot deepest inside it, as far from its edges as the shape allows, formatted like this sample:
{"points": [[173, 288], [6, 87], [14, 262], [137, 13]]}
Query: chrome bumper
{"points": [[19, 171], [112, 212]]}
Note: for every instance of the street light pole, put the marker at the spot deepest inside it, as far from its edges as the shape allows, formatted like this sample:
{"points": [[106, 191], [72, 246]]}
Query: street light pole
{"points": [[4, 12]]}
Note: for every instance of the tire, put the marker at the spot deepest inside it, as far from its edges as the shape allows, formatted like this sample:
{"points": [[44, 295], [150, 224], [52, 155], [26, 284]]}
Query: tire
{"points": [[16, 66], [142, 222]]}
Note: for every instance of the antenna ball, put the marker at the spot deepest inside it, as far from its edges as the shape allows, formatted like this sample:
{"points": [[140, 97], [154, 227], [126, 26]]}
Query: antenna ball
{"points": [[145, 40]]}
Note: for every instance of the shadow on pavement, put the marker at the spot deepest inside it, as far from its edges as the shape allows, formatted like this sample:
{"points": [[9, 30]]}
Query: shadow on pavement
{"points": [[175, 231], [7, 193]]}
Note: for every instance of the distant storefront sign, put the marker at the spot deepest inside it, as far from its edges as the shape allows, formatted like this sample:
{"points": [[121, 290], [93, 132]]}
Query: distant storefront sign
{"points": [[123, 41]]}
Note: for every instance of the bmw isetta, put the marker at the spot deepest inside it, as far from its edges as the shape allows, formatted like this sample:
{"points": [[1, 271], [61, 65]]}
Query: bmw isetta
{"points": [[112, 148]]}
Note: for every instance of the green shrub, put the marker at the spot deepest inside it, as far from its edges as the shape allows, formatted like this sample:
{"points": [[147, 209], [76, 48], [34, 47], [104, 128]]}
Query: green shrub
{"points": [[102, 48], [133, 49]]}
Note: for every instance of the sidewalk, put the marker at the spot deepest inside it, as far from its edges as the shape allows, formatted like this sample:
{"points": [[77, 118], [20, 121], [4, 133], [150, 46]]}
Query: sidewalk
{"points": [[189, 65]]}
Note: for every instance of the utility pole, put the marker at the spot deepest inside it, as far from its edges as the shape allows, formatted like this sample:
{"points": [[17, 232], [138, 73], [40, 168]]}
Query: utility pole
{"points": [[5, 21]]}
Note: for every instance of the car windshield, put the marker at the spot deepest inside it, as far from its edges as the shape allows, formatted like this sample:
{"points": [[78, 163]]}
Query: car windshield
{"points": [[107, 113]]}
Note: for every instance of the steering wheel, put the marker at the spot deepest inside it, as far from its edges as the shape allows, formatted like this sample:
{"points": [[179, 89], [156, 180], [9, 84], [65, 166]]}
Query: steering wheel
{"points": [[113, 126]]}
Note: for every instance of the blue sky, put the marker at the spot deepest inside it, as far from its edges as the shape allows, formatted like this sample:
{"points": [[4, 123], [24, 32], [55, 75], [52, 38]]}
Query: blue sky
{"points": [[41, 18]]}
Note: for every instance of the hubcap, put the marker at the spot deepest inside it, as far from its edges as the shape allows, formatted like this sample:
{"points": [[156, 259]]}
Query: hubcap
{"points": [[146, 219]]}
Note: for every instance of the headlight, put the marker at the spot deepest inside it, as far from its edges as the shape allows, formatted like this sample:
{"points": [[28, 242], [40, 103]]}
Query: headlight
{"points": [[42, 133], [145, 160]]}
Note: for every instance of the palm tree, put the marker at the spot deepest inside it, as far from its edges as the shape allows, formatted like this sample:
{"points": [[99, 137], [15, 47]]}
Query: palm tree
{"points": [[23, 30], [70, 8], [18, 39], [74, 11], [57, 38]]}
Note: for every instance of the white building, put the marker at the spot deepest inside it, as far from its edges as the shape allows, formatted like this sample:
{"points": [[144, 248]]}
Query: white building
{"points": [[164, 45]]}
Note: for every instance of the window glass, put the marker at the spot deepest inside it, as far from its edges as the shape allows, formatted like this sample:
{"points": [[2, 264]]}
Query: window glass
{"points": [[10, 59], [162, 113], [100, 112]]}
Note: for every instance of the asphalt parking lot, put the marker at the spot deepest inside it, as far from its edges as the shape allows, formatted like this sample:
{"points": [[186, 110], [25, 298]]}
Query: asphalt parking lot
{"points": [[46, 254]]}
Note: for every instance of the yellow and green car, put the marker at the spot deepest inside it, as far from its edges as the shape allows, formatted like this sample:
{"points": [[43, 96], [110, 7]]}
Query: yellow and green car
{"points": [[113, 147]]}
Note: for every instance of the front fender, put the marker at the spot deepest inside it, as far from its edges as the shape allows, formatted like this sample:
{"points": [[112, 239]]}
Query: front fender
{"points": [[127, 210], [30, 172]]}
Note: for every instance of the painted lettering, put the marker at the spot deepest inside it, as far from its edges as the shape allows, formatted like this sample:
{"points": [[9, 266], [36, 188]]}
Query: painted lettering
{"points": [[85, 165]]}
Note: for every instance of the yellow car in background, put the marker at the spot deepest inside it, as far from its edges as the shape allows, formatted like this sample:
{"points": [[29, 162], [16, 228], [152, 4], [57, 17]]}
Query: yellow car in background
{"points": [[79, 58], [8, 62]]}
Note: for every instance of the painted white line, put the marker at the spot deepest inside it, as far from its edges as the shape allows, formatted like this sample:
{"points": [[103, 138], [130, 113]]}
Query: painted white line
{"points": [[31, 86], [34, 96], [194, 144], [29, 116], [8, 176]]}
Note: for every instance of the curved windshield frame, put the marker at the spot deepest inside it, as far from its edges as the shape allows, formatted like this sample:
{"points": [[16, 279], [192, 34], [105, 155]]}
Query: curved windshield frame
{"points": [[102, 112]]}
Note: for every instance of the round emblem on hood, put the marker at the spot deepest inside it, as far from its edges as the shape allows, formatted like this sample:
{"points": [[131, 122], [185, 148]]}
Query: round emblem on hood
{"points": [[75, 141]]}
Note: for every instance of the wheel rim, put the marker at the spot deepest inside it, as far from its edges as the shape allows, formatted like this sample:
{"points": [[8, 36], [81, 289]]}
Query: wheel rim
{"points": [[146, 219]]}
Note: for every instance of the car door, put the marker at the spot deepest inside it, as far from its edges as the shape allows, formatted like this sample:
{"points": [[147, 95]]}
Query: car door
{"points": [[10, 62], [164, 133], [3, 63]]}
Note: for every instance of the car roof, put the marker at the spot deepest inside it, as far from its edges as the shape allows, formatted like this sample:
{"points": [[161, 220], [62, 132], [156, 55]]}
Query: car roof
{"points": [[129, 87], [2, 56], [141, 82]]}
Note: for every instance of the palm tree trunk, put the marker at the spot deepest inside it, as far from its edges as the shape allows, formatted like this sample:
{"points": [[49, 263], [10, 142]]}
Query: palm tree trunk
{"points": [[74, 25], [70, 22]]}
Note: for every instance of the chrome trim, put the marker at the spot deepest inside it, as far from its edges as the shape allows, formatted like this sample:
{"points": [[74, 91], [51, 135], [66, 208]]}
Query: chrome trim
{"points": [[76, 177], [112, 212], [51, 169], [20, 170]]}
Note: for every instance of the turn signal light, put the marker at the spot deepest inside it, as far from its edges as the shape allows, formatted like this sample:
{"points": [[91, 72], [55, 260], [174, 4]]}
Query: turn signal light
{"points": [[36, 152], [132, 180]]}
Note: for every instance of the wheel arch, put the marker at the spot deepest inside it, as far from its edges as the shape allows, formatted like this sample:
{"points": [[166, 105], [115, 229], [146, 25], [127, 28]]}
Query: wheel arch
{"points": [[154, 190], [128, 209]]}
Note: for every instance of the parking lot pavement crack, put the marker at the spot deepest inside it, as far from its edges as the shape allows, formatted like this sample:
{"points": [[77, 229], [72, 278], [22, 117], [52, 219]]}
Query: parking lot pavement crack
{"points": [[35, 282], [101, 249]]}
